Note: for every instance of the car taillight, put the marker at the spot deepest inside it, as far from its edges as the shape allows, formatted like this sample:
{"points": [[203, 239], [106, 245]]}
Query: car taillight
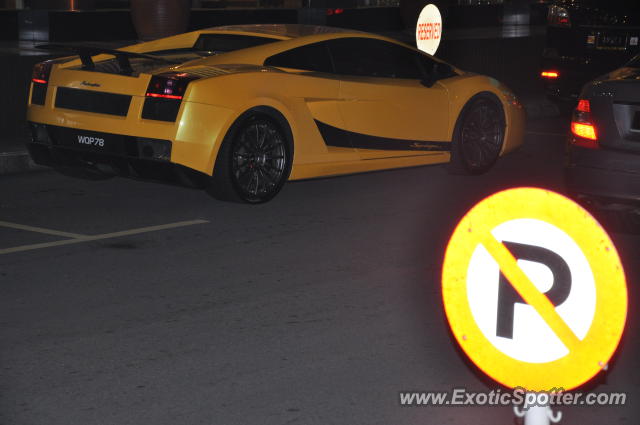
{"points": [[337, 11], [550, 74], [582, 126], [558, 17], [41, 72], [170, 85], [586, 131], [583, 106], [40, 80], [164, 95]]}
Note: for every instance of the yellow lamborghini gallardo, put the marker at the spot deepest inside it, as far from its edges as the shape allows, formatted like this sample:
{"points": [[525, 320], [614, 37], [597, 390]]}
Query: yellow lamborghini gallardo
{"points": [[239, 110]]}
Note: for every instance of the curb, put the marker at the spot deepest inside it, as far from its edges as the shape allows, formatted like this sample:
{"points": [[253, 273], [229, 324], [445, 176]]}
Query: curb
{"points": [[17, 162]]}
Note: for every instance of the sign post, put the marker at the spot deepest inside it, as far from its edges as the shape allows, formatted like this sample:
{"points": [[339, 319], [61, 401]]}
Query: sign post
{"points": [[534, 292]]}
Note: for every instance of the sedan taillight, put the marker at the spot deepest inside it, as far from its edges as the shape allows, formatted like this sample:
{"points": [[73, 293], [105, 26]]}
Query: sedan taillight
{"points": [[558, 17], [582, 126]]}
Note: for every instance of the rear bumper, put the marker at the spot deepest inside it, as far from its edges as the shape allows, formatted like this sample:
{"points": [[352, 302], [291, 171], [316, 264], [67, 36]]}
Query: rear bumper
{"points": [[606, 177], [121, 155], [195, 135]]}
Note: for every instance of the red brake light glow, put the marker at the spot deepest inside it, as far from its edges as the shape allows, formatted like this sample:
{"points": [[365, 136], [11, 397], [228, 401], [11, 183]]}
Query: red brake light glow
{"points": [[582, 126], [586, 131], [584, 105], [558, 17], [164, 96], [41, 72], [170, 85], [550, 74]]}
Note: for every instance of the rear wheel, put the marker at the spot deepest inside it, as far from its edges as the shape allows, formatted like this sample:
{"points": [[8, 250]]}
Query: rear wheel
{"points": [[478, 136], [254, 161]]}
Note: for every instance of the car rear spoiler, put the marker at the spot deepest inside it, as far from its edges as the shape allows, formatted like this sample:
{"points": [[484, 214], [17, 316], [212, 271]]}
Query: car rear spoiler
{"points": [[86, 54]]}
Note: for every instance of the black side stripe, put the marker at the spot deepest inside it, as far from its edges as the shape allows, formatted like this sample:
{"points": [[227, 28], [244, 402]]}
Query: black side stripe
{"points": [[334, 136]]}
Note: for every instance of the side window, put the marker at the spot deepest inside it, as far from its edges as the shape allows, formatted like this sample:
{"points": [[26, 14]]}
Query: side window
{"points": [[312, 57], [374, 58]]}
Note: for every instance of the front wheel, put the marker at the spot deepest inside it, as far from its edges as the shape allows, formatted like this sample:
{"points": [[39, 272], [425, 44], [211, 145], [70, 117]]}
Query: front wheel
{"points": [[254, 161], [478, 136]]}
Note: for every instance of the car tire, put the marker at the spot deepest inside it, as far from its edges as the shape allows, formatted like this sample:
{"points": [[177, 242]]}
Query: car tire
{"points": [[254, 160], [478, 136]]}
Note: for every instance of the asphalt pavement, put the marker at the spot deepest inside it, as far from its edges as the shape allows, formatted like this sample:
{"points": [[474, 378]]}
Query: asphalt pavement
{"points": [[126, 302]]}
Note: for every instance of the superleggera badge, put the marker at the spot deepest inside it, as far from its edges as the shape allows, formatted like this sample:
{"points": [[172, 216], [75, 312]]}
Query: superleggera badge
{"points": [[88, 84]]}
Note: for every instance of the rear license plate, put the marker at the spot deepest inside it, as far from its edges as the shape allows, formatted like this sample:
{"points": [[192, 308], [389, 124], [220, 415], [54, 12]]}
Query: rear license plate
{"points": [[611, 41], [91, 141], [87, 140]]}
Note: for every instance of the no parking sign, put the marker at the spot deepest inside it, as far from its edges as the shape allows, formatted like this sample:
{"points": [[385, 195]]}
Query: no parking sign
{"points": [[534, 290]]}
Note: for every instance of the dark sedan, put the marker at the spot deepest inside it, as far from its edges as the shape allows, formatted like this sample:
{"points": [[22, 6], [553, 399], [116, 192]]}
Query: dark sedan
{"points": [[603, 167], [586, 38]]}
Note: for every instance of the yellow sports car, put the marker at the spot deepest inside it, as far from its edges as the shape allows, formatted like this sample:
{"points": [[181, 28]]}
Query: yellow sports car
{"points": [[239, 110]]}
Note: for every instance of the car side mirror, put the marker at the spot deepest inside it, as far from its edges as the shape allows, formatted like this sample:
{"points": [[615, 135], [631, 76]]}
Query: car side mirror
{"points": [[431, 76], [437, 72]]}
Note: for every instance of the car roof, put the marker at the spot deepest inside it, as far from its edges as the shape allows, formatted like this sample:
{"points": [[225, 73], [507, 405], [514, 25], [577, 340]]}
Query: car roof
{"points": [[288, 36], [282, 31]]}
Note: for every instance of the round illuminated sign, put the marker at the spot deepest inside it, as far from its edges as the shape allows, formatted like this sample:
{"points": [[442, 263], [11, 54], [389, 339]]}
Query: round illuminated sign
{"points": [[534, 290], [429, 29]]}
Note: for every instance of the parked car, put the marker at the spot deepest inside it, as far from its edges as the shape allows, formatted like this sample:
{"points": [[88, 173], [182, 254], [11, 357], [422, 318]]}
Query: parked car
{"points": [[243, 109], [603, 167], [585, 39]]}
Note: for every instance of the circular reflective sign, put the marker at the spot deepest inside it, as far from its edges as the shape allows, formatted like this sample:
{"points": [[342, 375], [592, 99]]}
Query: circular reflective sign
{"points": [[534, 290], [429, 29]]}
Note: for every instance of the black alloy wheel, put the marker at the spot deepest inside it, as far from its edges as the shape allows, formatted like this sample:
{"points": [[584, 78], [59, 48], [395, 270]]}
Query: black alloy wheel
{"points": [[254, 163], [479, 135], [259, 160]]}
